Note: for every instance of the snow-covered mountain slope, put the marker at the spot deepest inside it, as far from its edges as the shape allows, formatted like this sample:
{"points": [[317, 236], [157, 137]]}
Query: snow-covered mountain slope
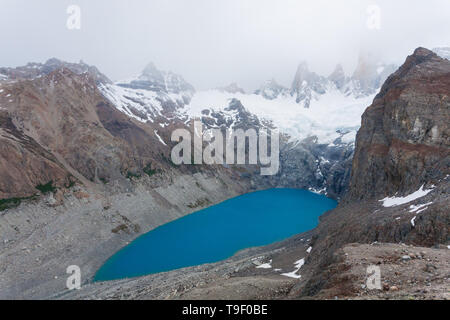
{"points": [[318, 117], [326, 118], [154, 80], [271, 90], [153, 94], [142, 104], [326, 108]]}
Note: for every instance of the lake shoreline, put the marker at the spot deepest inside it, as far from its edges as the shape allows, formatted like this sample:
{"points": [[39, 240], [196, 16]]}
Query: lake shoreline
{"points": [[254, 219]]}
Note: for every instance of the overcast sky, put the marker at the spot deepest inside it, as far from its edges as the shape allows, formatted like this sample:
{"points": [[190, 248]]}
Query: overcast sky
{"points": [[214, 42]]}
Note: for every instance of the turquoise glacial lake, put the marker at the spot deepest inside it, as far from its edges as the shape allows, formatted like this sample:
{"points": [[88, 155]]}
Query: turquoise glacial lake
{"points": [[218, 232]]}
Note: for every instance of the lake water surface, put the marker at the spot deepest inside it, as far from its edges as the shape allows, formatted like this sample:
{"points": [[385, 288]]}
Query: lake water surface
{"points": [[218, 232]]}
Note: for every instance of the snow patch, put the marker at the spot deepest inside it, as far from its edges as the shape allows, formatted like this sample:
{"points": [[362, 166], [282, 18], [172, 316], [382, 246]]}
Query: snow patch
{"points": [[318, 191], [267, 265], [396, 201], [144, 103], [160, 139], [419, 207], [298, 264], [412, 221]]}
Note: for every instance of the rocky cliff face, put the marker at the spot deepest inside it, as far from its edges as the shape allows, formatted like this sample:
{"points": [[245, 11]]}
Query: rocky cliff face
{"points": [[402, 149], [404, 141], [59, 129]]}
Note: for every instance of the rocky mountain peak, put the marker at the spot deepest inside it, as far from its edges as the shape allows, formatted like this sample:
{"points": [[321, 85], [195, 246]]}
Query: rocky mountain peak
{"points": [[150, 72], [78, 68], [403, 141], [35, 70], [232, 88], [271, 90], [418, 66], [306, 85], [233, 116], [366, 74], [303, 74], [236, 105], [153, 79], [338, 76], [303, 68], [369, 75]]}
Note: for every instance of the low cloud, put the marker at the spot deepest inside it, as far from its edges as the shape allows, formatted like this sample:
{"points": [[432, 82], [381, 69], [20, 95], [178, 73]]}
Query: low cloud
{"points": [[215, 42]]}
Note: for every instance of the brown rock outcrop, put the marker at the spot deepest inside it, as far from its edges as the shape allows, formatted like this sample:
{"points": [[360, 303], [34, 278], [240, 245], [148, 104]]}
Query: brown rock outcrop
{"points": [[404, 140], [402, 145], [59, 128]]}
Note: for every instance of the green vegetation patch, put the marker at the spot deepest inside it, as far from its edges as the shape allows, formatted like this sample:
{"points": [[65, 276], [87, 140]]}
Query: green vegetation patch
{"points": [[131, 175], [46, 188], [12, 203], [149, 171]]}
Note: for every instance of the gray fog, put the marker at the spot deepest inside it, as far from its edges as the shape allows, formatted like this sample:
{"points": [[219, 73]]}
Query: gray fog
{"points": [[215, 42]]}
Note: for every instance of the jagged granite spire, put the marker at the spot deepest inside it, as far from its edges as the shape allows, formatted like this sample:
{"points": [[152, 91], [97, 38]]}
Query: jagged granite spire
{"points": [[370, 75], [271, 90], [338, 76], [153, 79], [306, 85]]}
